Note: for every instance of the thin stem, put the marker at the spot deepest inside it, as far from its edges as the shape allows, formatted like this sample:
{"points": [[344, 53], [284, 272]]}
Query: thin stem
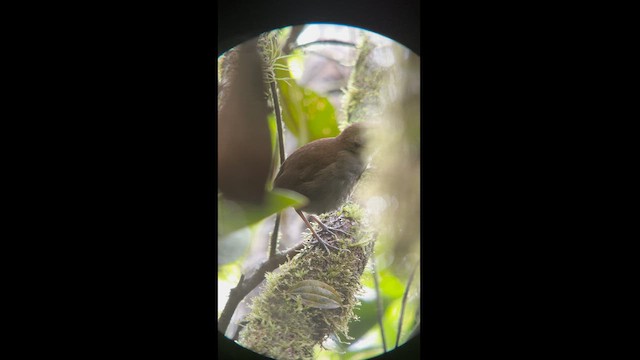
{"points": [[274, 237], [404, 302], [379, 303], [326, 42], [276, 109], [293, 37]]}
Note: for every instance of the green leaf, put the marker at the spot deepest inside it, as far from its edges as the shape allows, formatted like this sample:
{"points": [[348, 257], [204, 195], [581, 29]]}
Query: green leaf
{"points": [[234, 215], [306, 114]]}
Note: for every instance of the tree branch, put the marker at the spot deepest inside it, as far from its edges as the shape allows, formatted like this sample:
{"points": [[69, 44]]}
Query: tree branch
{"points": [[326, 42], [284, 324], [276, 109], [274, 237], [245, 285]]}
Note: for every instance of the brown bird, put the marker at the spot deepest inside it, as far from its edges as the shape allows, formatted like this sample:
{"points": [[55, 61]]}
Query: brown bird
{"points": [[325, 171]]}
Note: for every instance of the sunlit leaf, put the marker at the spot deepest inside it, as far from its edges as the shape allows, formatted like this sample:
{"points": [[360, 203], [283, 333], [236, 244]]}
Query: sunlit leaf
{"points": [[390, 285], [236, 215], [273, 129], [296, 64], [230, 272]]}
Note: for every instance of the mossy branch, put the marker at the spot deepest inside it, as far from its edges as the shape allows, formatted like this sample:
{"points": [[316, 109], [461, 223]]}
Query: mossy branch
{"points": [[281, 324], [363, 91]]}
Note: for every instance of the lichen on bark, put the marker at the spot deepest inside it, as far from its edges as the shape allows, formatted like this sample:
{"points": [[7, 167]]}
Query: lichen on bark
{"points": [[361, 101]]}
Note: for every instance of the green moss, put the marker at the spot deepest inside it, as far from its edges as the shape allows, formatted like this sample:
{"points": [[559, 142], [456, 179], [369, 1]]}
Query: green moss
{"points": [[352, 211]]}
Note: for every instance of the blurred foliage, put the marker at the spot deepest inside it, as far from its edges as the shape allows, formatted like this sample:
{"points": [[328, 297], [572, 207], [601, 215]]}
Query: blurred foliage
{"points": [[229, 272], [391, 318], [390, 285], [233, 245], [389, 96], [234, 215], [367, 312], [274, 131], [398, 144], [228, 276]]}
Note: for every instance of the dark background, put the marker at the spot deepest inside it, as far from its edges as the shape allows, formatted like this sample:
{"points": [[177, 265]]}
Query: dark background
{"points": [[125, 173]]}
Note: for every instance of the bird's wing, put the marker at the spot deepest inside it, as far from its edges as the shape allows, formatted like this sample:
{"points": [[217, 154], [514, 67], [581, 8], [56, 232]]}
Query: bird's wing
{"points": [[295, 172]]}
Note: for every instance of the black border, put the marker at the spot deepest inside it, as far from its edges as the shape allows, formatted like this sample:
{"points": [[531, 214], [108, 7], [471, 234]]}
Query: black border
{"points": [[124, 145]]}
